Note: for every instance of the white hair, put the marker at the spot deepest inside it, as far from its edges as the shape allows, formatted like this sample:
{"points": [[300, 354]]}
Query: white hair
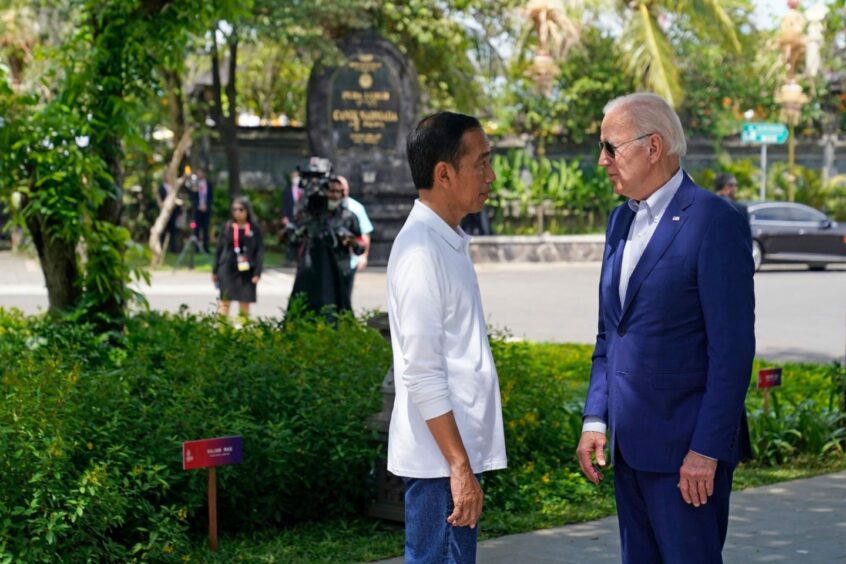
{"points": [[650, 113]]}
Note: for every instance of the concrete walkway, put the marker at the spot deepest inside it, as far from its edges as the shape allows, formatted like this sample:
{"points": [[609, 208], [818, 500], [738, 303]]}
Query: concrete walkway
{"points": [[803, 521]]}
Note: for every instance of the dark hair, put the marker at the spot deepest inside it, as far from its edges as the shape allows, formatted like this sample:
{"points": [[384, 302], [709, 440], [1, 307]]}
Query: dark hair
{"points": [[245, 202], [437, 138], [723, 179]]}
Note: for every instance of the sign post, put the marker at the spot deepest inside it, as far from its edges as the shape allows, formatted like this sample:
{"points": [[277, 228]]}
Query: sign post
{"points": [[768, 378], [210, 453], [765, 134]]}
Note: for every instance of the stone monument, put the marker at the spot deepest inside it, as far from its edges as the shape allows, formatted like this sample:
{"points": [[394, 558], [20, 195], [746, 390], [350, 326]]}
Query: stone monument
{"points": [[359, 115]]}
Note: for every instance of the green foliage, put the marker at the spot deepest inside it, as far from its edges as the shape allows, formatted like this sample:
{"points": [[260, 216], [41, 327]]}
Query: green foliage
{"points": [[542, 387], [646, 46], [273, 80], [808, 188], [587, 83], [573, 110], [574, 199], [65, 157], [806, 184], [806, 415], [746, 171], [90, 437], [89, 456], [720, 87]]}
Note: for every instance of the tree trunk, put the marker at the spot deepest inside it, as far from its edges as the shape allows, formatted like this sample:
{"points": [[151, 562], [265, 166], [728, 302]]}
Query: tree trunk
{"points": [[108, 310], [59, 265], [169, 202], [226, 122], [176, 101]]}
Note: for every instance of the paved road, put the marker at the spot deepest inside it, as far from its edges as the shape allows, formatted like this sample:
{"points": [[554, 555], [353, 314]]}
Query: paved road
{"points": [[801, 315], [803, 521]]}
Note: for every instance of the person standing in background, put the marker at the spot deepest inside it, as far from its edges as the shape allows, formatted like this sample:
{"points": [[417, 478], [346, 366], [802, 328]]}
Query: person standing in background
{"points": [[725, 186], [201, 202], [171, 230], [357, 262], [239, 258]]}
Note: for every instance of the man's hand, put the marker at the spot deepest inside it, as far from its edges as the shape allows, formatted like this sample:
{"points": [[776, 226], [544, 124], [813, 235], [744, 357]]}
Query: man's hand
{"points": [[466, 492], [696, 478], [362, 262], [591, 444], [467, 498], [255, 279], [214, 278]]}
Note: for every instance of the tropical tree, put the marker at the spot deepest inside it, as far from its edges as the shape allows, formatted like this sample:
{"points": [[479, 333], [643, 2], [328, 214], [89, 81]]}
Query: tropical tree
{"points": [[63, 143], [721, 86], [572, 111], [645, 45], [449, 43]]}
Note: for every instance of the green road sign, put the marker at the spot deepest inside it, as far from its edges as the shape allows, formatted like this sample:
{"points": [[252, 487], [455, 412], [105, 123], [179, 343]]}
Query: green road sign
{"points": [[764, 133]]}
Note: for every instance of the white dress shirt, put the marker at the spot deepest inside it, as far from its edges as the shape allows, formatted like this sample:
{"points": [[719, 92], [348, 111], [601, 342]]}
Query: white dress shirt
{"points": [[442, 357], [648, 214]]}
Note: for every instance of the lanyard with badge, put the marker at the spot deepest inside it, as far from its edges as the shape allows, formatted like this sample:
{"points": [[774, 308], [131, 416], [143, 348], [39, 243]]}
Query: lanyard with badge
{"points": [[241, 253]]}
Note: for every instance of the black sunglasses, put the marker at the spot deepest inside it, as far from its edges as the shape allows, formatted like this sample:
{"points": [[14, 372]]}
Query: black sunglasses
{"points": [[237, 209], [611, 150]]}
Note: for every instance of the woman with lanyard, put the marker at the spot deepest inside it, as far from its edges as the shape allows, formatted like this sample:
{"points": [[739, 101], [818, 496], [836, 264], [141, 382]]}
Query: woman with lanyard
{"points": [[238, 260]]}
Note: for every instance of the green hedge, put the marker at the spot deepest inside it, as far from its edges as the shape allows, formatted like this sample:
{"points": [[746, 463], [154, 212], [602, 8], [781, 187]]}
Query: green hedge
{"points": [[90, 454], [90, 433], [807, 414]]}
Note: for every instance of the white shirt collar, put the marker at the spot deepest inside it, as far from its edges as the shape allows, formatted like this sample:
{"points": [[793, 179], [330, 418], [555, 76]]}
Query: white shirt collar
{"points": [[657, 203], [458, 240]]}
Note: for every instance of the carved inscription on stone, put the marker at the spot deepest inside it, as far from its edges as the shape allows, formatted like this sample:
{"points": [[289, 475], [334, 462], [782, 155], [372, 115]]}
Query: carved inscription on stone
{"points": [[365, 107]]}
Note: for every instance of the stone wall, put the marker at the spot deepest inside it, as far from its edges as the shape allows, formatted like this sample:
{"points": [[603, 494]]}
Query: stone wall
{"points": [[543, 248]]}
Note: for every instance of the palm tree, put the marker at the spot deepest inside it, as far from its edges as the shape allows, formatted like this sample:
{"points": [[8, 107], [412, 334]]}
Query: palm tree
{"points": [[647, 48]]}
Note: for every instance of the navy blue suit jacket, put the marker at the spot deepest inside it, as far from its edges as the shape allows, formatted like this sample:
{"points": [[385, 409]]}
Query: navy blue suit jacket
{"points": [[672, 365]]}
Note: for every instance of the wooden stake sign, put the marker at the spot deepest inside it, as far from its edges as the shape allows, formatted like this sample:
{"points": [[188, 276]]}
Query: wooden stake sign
{"points": [[209, 453], [768, 378]]}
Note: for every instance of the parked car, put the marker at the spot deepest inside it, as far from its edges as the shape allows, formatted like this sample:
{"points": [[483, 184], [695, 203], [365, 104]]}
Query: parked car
{"points": [[783, 232]]}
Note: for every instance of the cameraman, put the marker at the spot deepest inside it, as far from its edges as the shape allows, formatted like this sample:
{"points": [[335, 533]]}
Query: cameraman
{"points": [[326, 235]]}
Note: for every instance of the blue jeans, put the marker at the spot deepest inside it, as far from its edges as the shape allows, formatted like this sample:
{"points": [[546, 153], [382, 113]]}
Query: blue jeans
{"points": [[429, 539]]}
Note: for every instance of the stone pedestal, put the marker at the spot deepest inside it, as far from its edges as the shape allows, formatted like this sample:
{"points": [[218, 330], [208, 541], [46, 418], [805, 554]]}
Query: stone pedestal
{"points": [[359, 116], [390, 491]]}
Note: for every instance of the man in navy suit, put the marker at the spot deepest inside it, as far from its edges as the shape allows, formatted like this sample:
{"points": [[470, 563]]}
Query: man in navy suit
{"points": [[675, 343]]}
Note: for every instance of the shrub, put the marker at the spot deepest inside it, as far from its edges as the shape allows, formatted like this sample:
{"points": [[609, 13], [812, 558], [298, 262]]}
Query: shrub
{"points": [[806, 414], [90, 461], [571, 196], [90, 432], [543, 387]]}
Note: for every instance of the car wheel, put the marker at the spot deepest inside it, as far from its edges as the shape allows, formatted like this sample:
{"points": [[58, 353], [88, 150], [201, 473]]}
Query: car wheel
{"points": [[757, 254], [817, 267]]}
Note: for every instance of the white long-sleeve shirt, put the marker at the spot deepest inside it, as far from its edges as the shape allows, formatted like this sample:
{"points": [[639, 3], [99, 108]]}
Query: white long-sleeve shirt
{"points": [[442, 357]]}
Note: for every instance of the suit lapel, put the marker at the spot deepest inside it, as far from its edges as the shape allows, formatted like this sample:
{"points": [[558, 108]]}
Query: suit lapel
{"points": [[671, 223], [618, 245]]}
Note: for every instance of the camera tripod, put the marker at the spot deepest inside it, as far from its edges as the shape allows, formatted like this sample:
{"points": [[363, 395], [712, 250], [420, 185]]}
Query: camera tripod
{"points": [[191, 247]]}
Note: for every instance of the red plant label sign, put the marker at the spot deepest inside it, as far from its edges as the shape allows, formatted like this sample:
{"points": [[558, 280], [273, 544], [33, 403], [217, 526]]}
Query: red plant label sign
{"points": [[211, 452], [769, 377]]}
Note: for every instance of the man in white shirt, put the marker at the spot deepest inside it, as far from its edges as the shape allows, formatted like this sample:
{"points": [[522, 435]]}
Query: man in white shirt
{"points": [[446, 427]]}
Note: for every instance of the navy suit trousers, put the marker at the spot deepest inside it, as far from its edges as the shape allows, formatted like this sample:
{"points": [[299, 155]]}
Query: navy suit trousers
{"points": [[658, 527]]}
